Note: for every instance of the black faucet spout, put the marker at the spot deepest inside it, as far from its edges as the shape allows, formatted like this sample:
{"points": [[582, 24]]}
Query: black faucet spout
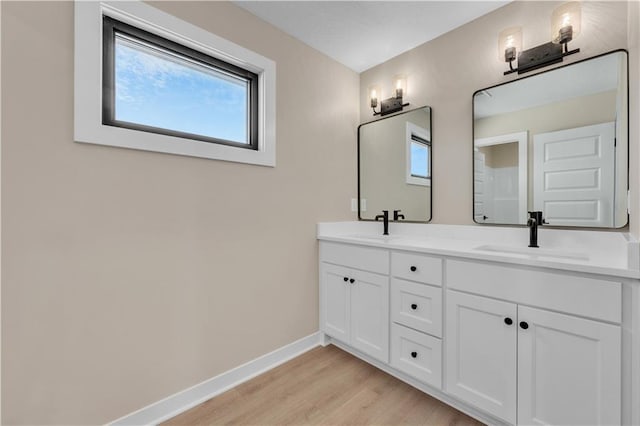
{"points": [[535, 220], [385, 218]]}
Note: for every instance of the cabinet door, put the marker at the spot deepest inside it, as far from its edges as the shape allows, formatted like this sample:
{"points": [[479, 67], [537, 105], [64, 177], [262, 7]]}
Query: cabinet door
{"points": [[370, 314], [334, 301], [481, 353], [568, 370]]}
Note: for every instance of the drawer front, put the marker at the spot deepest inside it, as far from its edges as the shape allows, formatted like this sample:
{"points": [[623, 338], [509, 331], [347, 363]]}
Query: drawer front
{"points": [[357, 257], [417, 267], [417, 354], [417, 306], [582, 296]]}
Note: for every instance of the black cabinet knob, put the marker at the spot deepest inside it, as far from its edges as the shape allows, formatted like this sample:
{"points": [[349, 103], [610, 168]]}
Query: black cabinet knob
{"points": [[414, 354], [413, 269], [345, 279], [524, 325], [414, 306], [352, 281], [508, 321]]}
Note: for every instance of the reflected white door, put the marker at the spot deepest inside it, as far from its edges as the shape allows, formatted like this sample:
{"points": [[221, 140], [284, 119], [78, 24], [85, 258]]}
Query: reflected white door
{"points": [[573, 175], [479, 213]]}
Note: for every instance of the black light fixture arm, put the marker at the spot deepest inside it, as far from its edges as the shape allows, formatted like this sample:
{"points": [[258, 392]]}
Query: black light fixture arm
{"points": [[539, 57]]}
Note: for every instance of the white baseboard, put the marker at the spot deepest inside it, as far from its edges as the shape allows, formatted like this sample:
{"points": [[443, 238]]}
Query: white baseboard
{"points": [[179, 402]]}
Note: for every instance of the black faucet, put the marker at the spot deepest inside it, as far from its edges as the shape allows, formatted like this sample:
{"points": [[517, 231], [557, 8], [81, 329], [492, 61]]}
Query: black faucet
{"points": [[535, 220], [385, 217], [397, 215]]}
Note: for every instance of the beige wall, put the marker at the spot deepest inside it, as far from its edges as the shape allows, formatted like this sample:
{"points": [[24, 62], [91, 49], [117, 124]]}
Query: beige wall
{"points": [[502, 155], [383, 168], [445, 72], [129, 275]]}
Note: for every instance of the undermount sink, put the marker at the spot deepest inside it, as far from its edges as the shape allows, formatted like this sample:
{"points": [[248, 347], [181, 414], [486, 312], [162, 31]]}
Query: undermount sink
{"points": [[533, 252]]}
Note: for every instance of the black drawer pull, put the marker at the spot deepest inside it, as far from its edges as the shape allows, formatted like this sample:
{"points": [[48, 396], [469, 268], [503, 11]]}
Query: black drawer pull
{"points": [[508, 321], [414, 306], [413, 269], [345, 279], [352, 280], [414, 354], [524, 325]]}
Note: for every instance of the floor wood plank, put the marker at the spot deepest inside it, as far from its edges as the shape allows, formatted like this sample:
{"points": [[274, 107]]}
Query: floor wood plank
{"points": [[325, 386]]}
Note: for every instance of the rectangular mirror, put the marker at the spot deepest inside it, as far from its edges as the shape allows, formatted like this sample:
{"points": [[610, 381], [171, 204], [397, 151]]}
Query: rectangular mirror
{"points": [[555, 142], [394, 166]]}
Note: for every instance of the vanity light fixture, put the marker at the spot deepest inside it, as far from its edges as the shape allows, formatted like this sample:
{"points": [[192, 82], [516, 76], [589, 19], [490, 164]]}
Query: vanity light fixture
{"points": [[395, 102], [565, 25]]}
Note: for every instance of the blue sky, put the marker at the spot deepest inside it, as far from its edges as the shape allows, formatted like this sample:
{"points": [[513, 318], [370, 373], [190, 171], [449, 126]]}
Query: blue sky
{"points": [[419, 159], [159, 91]]}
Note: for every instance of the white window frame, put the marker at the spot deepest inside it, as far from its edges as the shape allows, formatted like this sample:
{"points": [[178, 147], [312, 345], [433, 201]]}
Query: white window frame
{"points": [[88, 127], [422, 133]]}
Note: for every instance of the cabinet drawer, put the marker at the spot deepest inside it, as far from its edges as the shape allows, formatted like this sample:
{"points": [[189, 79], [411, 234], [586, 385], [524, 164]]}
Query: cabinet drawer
{"points": [[417, 267], [357, 257], [417, 306], [417, 354], [589, 297]]}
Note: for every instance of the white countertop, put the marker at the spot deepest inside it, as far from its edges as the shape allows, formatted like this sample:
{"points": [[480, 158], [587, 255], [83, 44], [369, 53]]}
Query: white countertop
{"points": [[597, 252]]}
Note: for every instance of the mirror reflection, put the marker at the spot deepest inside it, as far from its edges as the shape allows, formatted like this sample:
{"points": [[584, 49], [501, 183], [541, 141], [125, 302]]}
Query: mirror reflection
{"points": [[554, 142], [394, 166]]}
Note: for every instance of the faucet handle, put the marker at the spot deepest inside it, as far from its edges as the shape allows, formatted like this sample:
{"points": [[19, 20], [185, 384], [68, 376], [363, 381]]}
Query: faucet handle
{"points": [[537, 216], [384, 215], [397, 215]]}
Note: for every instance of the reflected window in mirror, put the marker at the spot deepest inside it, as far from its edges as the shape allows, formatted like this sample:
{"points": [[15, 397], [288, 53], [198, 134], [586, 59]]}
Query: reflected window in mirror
{"points": [[418, 151], [394, 166], [571, 126]]}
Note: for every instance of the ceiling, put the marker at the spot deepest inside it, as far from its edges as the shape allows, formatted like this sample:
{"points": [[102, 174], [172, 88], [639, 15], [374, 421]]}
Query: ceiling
{"points": [[362, 34]]}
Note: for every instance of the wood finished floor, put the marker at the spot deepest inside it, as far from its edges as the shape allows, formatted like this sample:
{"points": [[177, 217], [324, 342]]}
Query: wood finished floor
{"points": [[325, 386]]}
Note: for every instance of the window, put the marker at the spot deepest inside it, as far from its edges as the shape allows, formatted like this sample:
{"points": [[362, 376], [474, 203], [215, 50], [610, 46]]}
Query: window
{"points": [[155, 85], [147, 80], [420, 158], [418, 155]]}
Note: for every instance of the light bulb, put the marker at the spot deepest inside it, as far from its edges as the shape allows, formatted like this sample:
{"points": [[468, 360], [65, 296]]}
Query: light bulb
{"points": [[373, 96], [509, 43], [566, 22], [400, 85]]}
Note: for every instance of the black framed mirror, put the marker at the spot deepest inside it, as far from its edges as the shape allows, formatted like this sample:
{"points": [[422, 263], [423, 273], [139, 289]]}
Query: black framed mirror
{"points": [[555, 142], [395, 166]]}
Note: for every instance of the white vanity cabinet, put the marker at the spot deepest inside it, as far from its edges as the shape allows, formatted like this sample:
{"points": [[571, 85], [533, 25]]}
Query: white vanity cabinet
{"points": [[416, 312], [529, 365], [511, 343], [354, 297]]}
